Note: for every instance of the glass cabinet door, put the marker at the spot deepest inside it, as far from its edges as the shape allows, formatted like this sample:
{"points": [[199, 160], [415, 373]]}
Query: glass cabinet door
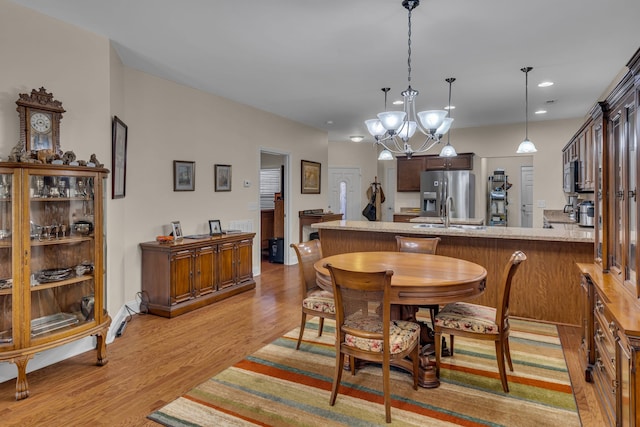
{"points": [[6, 258], [62, 252]]}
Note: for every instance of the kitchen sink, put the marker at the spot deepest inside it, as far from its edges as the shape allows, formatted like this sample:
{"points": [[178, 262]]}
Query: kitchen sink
{"points": [[468, 226], [456, 226], [428, 226]]}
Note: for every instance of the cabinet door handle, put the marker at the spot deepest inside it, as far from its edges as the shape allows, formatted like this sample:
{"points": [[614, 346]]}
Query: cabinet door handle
{"points": [[620, 195], [632, 193]]}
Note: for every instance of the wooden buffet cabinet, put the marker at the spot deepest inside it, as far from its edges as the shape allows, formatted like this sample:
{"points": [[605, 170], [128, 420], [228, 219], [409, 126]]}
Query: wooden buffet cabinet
{"points": [[52, 284], [185, 275], [606, 148]]}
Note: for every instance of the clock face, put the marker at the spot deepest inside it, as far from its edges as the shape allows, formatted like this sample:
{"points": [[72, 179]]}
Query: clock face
{"points": [[41, 122]]}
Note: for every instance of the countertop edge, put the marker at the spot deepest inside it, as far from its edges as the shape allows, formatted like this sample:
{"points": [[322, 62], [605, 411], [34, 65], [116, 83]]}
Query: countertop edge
{"points": [[513, 233]]}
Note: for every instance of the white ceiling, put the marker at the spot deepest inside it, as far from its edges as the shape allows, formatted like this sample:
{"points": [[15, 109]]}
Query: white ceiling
{"points": [[315, 61]]}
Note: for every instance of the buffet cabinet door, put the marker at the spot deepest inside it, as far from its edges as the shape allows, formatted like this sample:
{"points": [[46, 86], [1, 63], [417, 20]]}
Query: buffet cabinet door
{"points": [[7, 264], [63, 274]]}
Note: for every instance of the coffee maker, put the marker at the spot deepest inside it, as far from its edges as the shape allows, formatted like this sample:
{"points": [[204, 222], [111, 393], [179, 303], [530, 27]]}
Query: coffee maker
{"points": [[572, 207]]}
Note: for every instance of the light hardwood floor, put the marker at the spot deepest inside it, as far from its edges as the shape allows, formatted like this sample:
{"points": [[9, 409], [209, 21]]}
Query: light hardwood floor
{"points": [[157, 360]]}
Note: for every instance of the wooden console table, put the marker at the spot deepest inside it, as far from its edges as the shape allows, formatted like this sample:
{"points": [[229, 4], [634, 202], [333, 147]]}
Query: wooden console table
{"points": [[309, 217]]}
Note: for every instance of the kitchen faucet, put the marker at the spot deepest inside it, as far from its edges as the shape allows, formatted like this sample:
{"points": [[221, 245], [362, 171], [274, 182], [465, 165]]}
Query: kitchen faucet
{"points": [[448, 205]]}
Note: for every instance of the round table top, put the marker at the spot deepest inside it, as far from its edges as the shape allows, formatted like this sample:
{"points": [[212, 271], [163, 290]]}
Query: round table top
{"points": [[417, 278]]}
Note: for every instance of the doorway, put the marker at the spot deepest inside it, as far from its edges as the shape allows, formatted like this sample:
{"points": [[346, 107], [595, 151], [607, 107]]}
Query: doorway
{"points": [[274, 206], [344, 188], [526, 196]]}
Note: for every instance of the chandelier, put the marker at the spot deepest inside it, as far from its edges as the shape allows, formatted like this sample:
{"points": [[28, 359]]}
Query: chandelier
{"points": [[393, 129]]}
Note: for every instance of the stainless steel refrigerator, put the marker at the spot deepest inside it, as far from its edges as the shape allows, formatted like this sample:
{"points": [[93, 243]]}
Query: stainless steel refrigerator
{"points": [[436, 186]]}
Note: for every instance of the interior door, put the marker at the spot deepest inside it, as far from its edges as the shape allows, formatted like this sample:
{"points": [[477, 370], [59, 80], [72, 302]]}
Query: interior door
{"points": [[344, 188], [526, 196]]}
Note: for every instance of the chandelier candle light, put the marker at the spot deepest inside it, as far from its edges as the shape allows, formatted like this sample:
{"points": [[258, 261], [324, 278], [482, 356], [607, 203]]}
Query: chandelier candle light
{"points": [[393, 129]]}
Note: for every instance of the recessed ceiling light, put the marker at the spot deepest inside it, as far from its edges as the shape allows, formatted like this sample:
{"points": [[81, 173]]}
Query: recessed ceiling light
{"points": [[398, 102], [541, 112], [329, 122], [356, 138], [545, 84], [450, 107]]}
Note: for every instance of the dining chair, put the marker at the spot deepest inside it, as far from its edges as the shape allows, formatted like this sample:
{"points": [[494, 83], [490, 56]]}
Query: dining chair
{"points": [[364, 329], [482, 322], [422, 245], [315, 300]]}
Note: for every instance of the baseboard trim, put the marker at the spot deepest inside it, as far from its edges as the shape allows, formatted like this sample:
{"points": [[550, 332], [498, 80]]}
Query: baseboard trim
{"points": [[9, 371]]}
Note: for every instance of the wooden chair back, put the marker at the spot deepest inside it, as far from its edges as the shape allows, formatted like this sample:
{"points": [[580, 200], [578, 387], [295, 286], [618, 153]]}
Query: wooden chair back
{"points": [[361, 294], [422, 245], [502, 311], [308, 253]]}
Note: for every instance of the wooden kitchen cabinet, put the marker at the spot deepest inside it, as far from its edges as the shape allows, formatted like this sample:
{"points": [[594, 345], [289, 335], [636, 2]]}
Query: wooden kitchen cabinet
{"points": [[408, 173], [188, 274], [52, 280], [408, 170], [404, 217], [463, 161]]}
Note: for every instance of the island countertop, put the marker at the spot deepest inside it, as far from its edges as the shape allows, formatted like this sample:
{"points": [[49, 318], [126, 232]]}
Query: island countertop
{"points": [[515, 233]]}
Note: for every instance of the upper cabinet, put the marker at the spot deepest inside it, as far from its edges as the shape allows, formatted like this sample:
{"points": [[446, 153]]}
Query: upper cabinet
{"points": [[578, 158], [408, 171]]}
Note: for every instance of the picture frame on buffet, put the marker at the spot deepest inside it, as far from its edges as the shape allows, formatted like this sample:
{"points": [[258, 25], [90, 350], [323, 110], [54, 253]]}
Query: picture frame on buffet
{"points": [[215, 229], [176, 230]]}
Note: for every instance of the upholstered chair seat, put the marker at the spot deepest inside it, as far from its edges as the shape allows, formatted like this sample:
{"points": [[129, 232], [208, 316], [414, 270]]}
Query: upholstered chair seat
{"points": [[468, 317], [402, 334], [320, 300]]}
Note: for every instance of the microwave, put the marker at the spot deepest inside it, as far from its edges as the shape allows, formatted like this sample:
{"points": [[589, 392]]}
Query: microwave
{"points": [[570, 177]]}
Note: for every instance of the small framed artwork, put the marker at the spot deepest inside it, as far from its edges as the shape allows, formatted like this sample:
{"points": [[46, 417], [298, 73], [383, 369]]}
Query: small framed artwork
{"points": [[184, 175], [176, 230], [214, 227], [118, 158], [222, 177], [310, 177]]}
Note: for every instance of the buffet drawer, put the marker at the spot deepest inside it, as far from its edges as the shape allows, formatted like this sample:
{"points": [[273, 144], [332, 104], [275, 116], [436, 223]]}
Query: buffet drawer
{"points": [[605, 385]]}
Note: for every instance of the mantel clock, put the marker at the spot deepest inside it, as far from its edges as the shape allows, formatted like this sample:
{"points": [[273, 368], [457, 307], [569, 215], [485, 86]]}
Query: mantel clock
{"points": [[40, 117]]}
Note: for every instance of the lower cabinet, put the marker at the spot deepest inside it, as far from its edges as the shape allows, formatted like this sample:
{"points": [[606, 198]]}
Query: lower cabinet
{"points": [[182, 276], [611, 345]]}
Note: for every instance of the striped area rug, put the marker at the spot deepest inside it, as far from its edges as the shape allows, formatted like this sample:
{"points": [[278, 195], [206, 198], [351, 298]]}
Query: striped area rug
{"points": [[279, 386]]}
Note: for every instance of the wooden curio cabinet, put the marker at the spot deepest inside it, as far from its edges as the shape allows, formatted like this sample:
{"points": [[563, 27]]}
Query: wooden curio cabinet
{"points": [[191, 273], [52, 284]]}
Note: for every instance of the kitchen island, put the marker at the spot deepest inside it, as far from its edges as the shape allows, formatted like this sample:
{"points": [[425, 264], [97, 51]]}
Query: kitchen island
{"points": [[546, 288]]}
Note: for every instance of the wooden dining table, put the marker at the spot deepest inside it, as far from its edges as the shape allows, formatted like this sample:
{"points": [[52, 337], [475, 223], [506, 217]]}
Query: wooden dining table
{"points": [[418, 279]]}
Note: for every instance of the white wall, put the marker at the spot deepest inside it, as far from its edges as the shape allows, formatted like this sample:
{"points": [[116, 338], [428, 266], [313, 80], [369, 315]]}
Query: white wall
{"points": [[166, 122]]}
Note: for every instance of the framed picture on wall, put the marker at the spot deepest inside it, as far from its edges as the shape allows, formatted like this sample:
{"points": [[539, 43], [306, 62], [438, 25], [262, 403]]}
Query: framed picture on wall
{"points": [[310, 177], [118, 158], [222, 177], [184, 175]]}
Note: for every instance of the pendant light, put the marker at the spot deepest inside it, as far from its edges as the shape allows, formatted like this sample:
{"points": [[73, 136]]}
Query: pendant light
{"points": [[526, 146], [448, 150]]}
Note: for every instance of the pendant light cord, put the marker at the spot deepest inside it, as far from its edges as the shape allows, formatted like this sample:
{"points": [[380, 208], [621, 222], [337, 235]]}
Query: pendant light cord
{"points": [[409, 50]]}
